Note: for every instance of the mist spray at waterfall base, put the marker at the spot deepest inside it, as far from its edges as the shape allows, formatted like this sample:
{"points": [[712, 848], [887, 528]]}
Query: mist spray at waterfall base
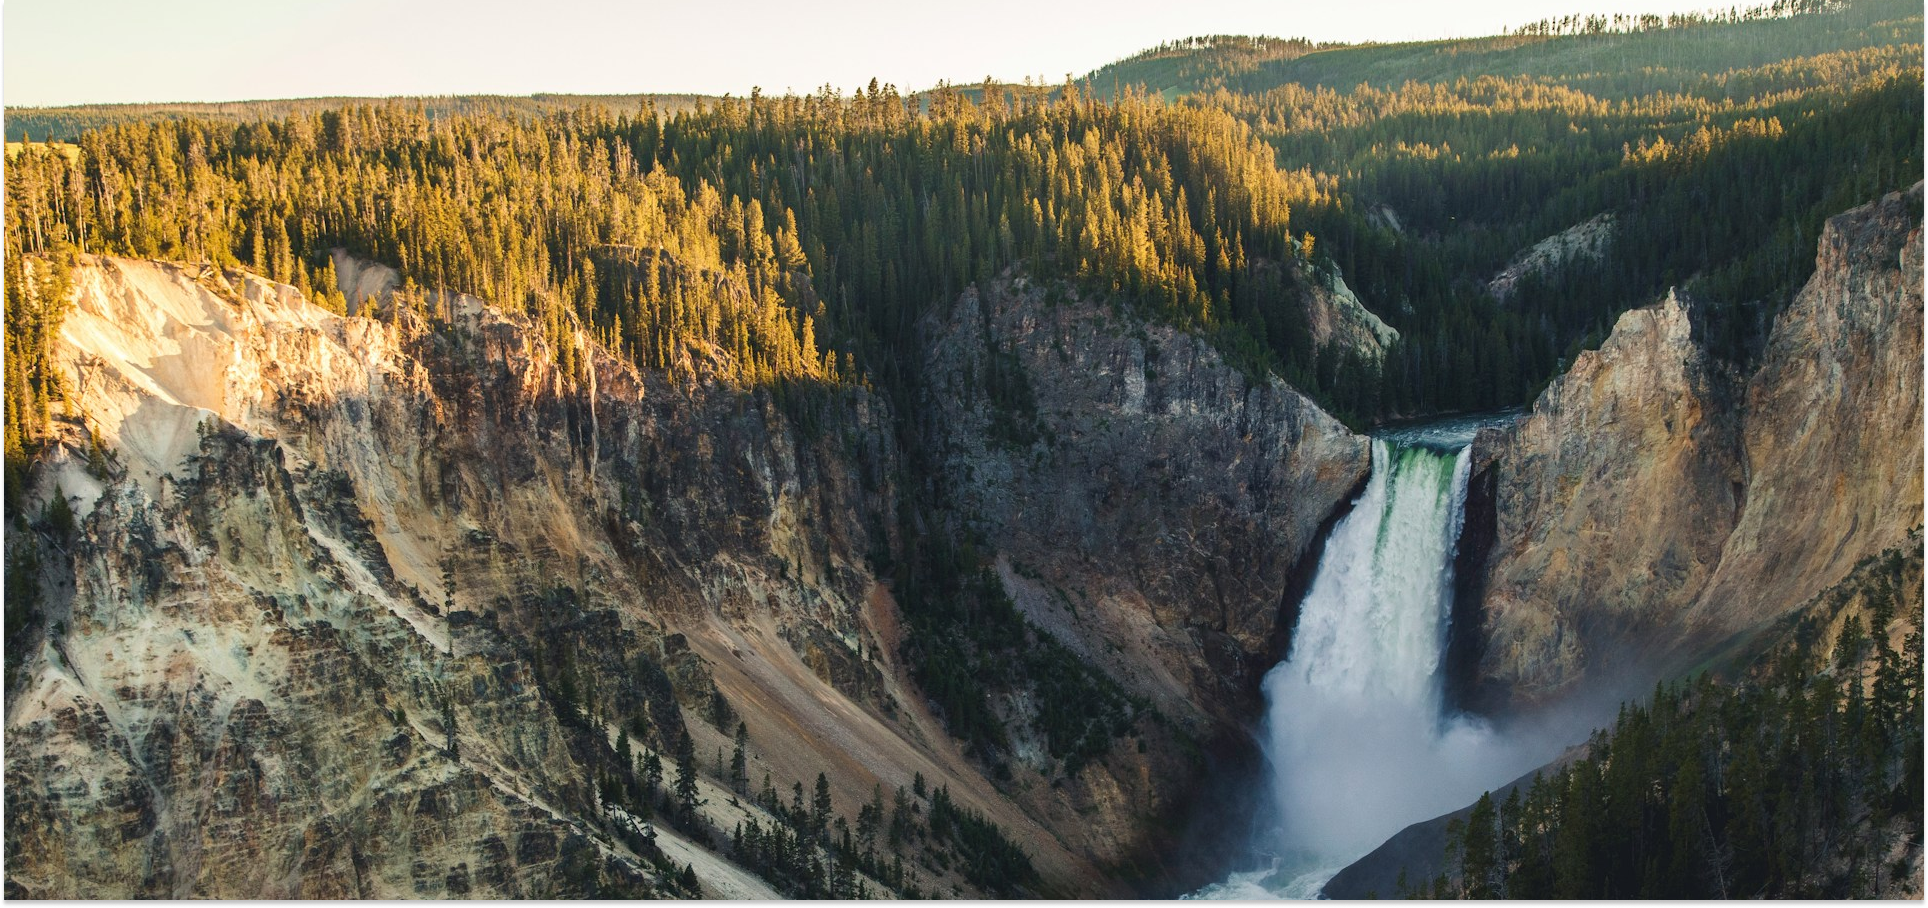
{"points": [[1355, 735]]}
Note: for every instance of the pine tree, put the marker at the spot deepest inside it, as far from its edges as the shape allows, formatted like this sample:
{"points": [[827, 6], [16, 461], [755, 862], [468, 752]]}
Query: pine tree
{"points": [[739, 760], [652, 773], [686, 789], [1480, 867], [820, 807], [900, 819]]}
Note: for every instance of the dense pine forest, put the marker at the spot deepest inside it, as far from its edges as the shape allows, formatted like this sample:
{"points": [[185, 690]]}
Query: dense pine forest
{"points": [[1801, 780], [1666, 127], [801, 238]]}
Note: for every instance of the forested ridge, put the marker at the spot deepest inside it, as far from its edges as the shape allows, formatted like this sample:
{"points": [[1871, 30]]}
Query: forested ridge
{"points": [[851, 215], [791, 243], [65, 124], [729, 226], [1623, 55], [1718, 144]]}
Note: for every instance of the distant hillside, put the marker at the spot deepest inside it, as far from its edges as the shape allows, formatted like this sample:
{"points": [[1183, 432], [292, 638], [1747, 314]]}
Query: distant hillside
{"points": [[1618, 59], [1188, 65], [1626, 64], [1634, 60], [65, 123]]}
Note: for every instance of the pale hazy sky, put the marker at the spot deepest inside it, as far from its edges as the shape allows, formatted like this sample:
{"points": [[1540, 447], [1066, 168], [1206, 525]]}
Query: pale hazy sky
{"points": [[82, 51]]}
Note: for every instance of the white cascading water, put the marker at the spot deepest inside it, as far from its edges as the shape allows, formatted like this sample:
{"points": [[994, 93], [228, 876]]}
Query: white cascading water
{"points": [[1354, 730]]}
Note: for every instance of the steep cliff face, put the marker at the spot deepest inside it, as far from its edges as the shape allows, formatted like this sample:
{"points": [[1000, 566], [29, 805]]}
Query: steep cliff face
{"points": [[1612, 497], [1166, 495], [1833, 427], [357, 606], [239, 693], [1148, 506], [384, 606], [1653, 504]]}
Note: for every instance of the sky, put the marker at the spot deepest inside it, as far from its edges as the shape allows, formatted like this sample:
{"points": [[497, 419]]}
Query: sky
{"points": [[108, 51]]}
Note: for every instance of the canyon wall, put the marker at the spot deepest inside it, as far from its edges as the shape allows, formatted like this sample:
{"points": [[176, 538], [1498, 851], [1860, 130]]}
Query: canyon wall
{"points": [[355, 606], [394, 605], [1148, 504], [1155, 511], [1657, 505]]}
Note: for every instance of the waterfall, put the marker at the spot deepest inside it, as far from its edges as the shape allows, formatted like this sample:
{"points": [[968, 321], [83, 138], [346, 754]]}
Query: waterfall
{"points": [[1357, 741]]}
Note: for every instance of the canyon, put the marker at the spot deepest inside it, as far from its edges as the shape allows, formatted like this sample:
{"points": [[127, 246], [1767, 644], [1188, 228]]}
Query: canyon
{"points": [[375, 605]]}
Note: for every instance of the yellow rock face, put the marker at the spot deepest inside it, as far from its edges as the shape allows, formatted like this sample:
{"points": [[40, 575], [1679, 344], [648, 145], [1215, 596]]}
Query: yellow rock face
{"points": [[1655, 503]]}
